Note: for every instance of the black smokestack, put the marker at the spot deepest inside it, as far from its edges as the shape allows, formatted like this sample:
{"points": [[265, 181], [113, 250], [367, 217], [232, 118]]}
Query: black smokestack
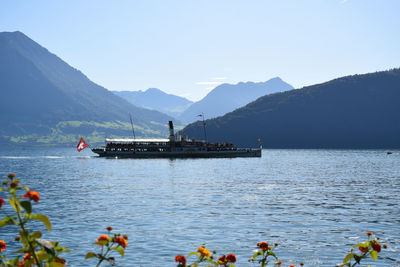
{"points": [[171, 130]]}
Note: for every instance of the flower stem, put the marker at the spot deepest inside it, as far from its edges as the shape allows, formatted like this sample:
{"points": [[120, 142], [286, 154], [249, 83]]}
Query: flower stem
{"points": [[103, 257], [25, 232]]}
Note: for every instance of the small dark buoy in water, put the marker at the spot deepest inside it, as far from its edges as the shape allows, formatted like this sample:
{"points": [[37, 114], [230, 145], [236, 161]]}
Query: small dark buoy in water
{"points": [[388, 152]]}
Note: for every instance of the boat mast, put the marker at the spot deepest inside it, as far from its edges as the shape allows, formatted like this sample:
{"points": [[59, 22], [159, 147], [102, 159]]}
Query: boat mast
{"points": [[133, 130], [204, 126]]}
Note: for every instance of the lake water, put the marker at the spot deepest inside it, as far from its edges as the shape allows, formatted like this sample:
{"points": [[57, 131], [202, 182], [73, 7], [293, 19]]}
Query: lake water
{"points": [[314, 203]]}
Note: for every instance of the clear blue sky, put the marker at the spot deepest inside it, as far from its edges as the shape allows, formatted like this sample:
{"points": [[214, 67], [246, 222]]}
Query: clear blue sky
{"points": [[188, 47]]}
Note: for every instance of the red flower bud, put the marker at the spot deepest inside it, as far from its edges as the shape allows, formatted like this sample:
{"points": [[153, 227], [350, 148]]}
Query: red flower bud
{"points": [[263, 246], [231, 258], [364, 250], [1, 202], [14, 184], [181, 259], [377, 247]]}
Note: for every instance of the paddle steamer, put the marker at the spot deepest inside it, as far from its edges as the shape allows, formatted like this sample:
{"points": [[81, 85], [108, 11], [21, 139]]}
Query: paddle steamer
{"points": [[176, 146]]}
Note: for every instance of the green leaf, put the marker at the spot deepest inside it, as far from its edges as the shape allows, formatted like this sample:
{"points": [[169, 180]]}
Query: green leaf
{"points": [[101, 242], [120, 250], [193, 253], [212, 262], [35, 235], [13, 262], [374, 255], [90, 255], [13, 203], [42, 255], [270, 253], [43, 219], [27, 206], [258, 253], [23, 250], [348, 257], [55, 264], [6, 221], [363, 245]]}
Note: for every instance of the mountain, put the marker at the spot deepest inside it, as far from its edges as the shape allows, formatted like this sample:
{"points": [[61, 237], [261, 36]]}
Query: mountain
{"points": [[228, 97], [360, 111], [44, 100], [156, 99]]}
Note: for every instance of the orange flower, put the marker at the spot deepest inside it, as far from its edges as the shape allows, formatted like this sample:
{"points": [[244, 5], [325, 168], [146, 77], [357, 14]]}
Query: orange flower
{"points": [[231, 258], [121, 241], [125, 237], [204, 252], [292, 265], [181, 259], [364, 250], [1, 202], [32, 195], [377, 247], [11, 175], [109, 228], [263, 246], [369, 233], [102, 238], [278, 262], [3, 245]]}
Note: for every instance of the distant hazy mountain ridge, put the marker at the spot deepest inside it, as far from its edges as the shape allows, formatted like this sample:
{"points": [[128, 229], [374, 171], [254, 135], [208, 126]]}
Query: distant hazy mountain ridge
{"points": [[228, 97], [360, 111], [156, 99], [39, 91]]}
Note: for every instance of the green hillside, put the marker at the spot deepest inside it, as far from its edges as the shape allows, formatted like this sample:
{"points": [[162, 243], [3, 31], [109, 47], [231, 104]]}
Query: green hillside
{"points": [[43, 100], [360, 111]]}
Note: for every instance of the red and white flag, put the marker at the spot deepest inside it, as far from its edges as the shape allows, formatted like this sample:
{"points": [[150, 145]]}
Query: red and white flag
{"points": [[81, 145]]}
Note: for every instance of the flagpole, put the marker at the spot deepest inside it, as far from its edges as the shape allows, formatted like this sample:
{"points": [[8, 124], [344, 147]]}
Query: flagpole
{"points": [[88, 144]]}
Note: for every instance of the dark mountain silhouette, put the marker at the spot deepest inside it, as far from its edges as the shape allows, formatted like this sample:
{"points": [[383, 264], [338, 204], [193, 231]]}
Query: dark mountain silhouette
{"points": [[156, 99], [43, 98], [360, 111], [228, 97]]}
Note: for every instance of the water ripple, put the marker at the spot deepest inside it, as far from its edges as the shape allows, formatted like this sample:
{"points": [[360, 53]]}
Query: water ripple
{"points": [[314, 203]]}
